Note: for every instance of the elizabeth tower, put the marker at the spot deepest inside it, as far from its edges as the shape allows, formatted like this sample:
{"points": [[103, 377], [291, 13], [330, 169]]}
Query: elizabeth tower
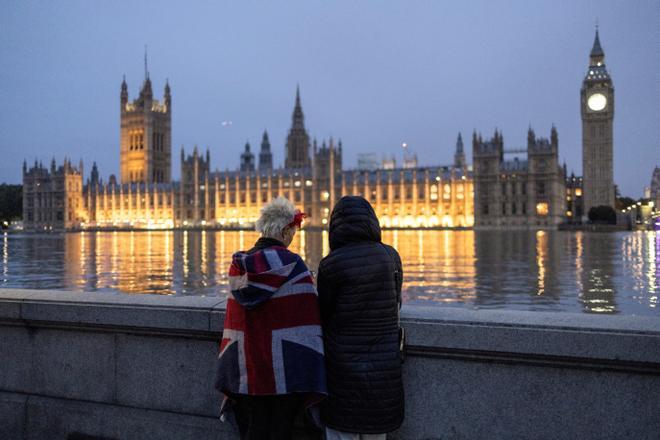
{"points": [[597, 107]]}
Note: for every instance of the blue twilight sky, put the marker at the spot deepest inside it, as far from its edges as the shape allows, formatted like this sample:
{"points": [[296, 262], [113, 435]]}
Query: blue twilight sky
{"points": [[373, 73]]}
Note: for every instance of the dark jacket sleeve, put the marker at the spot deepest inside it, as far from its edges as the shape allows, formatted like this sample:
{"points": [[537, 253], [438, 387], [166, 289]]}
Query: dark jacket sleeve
{"points": [[326, 299], [399, 278]]}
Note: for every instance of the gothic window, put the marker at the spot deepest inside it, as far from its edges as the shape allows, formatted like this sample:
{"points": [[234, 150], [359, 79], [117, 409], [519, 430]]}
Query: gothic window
{"points": [[523, 188], [504, 189], [484, 209], [524, 208], [503, 208], [541, 188], [513, 209]]}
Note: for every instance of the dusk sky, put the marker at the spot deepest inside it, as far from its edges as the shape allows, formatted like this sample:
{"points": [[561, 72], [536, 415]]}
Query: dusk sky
{"points": [[373, 73]]}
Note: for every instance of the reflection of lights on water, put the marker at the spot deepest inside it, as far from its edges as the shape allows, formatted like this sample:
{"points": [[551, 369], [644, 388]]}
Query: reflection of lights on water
{"points": [[203, 267], [325, 246], [185, 254], [301, 241], [541, 251], [5, 257], [579, 270], [653, 261], [80, 282]]}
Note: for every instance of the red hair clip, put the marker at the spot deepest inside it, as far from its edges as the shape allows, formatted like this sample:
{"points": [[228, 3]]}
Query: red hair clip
{"points": [[297, 218]]}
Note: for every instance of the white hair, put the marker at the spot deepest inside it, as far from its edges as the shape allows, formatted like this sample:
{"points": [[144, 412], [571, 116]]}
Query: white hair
{"points": [[275, 216]]}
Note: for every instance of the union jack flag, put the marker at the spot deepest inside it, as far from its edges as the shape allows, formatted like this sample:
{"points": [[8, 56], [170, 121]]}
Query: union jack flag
{"points": [[272, 341]]}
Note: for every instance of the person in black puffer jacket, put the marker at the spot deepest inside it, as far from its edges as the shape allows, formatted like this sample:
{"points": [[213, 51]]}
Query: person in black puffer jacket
{"points": [[359, 285]]}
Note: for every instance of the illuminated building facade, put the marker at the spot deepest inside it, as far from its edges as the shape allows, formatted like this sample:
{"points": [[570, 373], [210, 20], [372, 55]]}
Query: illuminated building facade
{"points": [[574, 199], [52, 198], [145, 197], [146, 136], [525, 193]]}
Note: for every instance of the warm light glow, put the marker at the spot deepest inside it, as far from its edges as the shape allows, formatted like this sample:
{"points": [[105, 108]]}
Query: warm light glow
{"points": [[542, 209], [578, 192]]}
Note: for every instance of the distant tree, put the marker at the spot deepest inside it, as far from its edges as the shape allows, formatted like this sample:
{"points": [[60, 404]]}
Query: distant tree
{"points": [[624, 202], [11, 203], [602, 215]]}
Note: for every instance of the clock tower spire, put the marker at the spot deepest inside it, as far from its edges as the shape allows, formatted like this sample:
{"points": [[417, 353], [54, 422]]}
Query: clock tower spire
{"points": [[597, 109]]}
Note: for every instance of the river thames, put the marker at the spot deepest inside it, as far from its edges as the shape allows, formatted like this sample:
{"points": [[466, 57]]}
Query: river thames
{"points": [[523, 270]]}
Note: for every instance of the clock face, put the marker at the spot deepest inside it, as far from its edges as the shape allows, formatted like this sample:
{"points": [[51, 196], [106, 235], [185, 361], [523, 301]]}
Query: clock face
{"points": [[597, 102]]}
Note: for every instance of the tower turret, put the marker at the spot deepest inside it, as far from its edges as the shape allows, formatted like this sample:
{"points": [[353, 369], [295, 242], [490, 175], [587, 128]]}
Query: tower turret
{"points": [[167, 95], [459, 155], [265, 155], [123, 97], [247, 159], [297, 144]]}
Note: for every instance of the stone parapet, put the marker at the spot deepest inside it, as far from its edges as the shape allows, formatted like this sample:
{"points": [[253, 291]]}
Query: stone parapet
{"points": [[121, 366]]}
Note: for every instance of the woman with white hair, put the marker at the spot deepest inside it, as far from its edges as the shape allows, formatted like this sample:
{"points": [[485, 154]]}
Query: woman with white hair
{"points": [[271, 358]]}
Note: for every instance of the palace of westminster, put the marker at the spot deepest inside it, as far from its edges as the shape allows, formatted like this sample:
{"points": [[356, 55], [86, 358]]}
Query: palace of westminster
{"points": [[495, 192]]}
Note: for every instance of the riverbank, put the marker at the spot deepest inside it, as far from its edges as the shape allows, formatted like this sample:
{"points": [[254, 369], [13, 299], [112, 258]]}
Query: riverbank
{"points": [[141, 366]]}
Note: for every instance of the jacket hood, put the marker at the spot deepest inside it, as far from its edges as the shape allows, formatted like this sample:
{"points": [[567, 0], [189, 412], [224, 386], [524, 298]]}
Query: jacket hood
{"points": [[352, 220]]}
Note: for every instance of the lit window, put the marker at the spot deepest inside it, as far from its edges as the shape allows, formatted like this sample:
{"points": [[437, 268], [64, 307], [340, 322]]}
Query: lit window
{"points": [[578, 192], [542, 209], [325, 195]]}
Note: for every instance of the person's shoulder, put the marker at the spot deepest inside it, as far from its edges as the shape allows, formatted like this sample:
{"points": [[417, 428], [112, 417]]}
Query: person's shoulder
{"points": [[287, 256]]}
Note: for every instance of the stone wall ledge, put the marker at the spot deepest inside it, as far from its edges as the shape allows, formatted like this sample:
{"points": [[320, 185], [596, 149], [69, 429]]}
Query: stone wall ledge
{"points": [[443, 331], [108, 309], [129, 367]]}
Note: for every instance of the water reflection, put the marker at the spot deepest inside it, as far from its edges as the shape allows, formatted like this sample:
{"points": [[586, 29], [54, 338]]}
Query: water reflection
{"points": [[545, 270]]}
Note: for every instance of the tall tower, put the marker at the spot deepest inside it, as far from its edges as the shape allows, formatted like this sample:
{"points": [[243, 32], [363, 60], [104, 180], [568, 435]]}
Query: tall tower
{"points": [[297, 142], [459, 155], [247, 159], [597, 107], [146, 135], [265, 155]]}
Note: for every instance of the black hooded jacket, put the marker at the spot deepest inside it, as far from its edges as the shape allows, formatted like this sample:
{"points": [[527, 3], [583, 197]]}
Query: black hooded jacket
{"points": [[359, 296]]}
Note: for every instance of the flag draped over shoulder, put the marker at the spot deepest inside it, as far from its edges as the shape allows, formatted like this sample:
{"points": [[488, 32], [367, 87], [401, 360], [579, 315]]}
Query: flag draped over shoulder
{"points": [[272, 342]]}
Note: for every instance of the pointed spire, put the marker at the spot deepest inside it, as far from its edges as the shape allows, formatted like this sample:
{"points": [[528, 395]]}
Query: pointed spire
{"points": [[597, 50], [297, 95], [124, 93], [146, 69], [24, 166], [531, 136], [183, 155], [459, 143], [554, 140]]}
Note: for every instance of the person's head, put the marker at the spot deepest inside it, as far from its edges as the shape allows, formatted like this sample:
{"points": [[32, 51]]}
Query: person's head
{"points": [[279, 220], [353, 219]]}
